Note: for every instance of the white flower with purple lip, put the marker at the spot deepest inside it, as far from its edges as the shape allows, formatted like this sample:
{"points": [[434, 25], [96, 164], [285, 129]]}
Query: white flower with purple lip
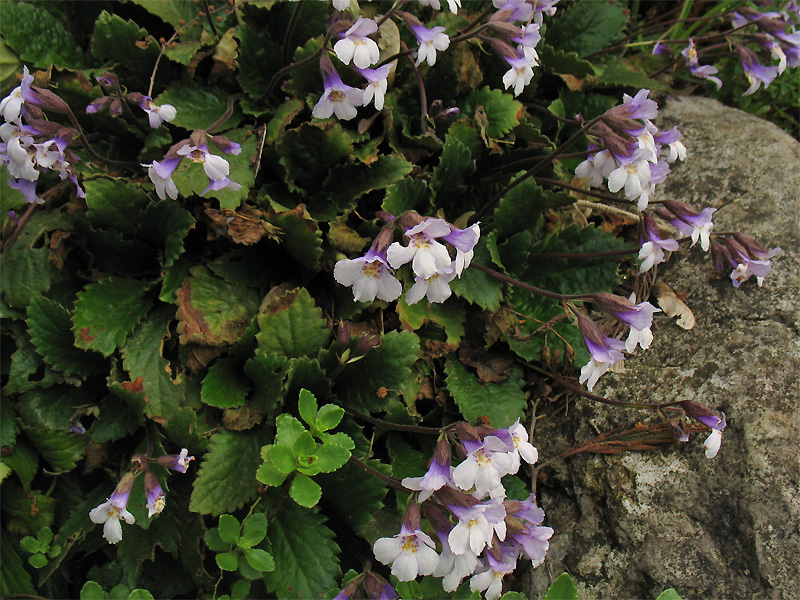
{"points": [[430, 40], [486, 463], [338, 98], [427, 256], [437, 476], [476, 526], [704, 414], [605, 351], [411, 552], [109, 512], [370, 277], [11, 105], [160, 174], [691, 223], [464, 241], [376, 86], [520, 73], [516, 440], [215, 166], [436, 287], [490, 580], [635, 178], [651, 252], [520, 10], [356, 46], [157, 114]]}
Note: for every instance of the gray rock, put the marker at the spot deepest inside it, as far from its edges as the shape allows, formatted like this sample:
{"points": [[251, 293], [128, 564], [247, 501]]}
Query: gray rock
{"points": [[632, 525]]}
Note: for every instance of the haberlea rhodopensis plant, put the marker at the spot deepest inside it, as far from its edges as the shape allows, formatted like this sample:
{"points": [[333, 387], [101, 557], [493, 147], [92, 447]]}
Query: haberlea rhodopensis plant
{"points": [[281, 280]]}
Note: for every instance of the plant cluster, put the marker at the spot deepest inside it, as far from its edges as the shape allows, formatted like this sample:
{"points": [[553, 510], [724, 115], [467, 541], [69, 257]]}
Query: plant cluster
{"points": [[334, 251]]}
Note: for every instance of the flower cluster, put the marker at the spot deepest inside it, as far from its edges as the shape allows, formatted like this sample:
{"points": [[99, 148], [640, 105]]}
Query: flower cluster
{"points": [[606, 351], [156, 114], [636, 154], [109, 513], [31, 144], [487, 533], [433, 268], [195, 149], [747, 257]]}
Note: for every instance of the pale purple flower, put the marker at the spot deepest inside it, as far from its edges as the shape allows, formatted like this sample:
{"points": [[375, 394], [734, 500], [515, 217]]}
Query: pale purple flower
{"points": [[176, 462], [476, 526], [437, 476], [490, 580], [697, 225], [596, 168], [748, 268], [605, 351], [154, 493], [516, 440], [635, 178], [430, 40], [436, 287], [215, 166], [693, 63], [356, 46], [652, 251], [755, 72], [464, 241], [11, 105], [521, 10], [486, 463], [671, 138]]}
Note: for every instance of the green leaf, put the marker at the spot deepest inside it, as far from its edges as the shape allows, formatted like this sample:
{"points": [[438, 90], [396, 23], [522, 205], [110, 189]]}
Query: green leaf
{"points": [[408, 194], [619, 73], [513, 596], [282, 117], [226, 479], [387, 366], [587, 27], [229, 530], [260, 560], [450, 315], [330, 457], [106, 312], [257, 51], [307, 406], [455, 165], [267, 377], [143, 356], [289, 429], [269, 475], [476, 286], [301, 237], [669, 594], [520, 208], [502, 111], [305, 491], [164, 225], [245, 570], [255, 528], [225, 386], [61, 449], [214, 541], [50, 324], [31, 545], [308, 152], [199, 106], [542, 322], [329, 416], [503, 403], [27, 371], [26, 511], [306, 563], [91, 590], [355, 496], [14, 578], [24, 461], [38, 37], [564, 63], [213, 312], [304, 445], [116, 421], [227, 561], [563, 588], [348, 183], [114, 203], [183, 52], [175, 12], [575, 275], [240, 590], [292, 326], [140, 594], [114, 40], [37, 560]]}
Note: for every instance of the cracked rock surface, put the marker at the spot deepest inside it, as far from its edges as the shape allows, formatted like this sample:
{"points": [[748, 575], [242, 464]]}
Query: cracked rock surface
{"points": [[632, 525]]}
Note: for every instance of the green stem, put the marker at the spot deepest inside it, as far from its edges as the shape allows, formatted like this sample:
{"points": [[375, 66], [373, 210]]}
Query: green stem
{"points": [[685, 10]]}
